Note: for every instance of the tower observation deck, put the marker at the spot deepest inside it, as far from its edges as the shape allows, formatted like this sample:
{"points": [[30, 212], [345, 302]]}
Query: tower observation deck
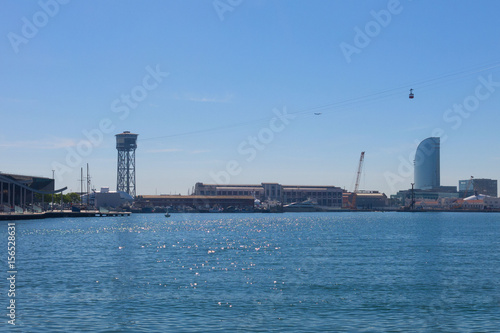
{"points": [[126, 143]]}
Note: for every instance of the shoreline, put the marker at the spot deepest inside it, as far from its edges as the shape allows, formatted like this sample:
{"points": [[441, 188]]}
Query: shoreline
{"points": [[45, 215]]}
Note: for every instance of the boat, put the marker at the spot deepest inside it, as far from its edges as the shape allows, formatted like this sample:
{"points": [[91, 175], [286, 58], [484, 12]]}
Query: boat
{"points": [[167, 214], [304, 206]]}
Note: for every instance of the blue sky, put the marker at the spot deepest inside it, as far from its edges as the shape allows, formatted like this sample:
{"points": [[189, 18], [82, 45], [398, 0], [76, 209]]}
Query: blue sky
{"points": [[203, 82]]}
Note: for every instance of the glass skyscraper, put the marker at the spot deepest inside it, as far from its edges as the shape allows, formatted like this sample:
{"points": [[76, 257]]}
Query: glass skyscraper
{"points": [[427, 170]]}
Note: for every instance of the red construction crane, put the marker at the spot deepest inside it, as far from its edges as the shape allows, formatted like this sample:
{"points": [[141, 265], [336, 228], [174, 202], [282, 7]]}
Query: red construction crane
{"points": [[459, 202], [471, 181]]}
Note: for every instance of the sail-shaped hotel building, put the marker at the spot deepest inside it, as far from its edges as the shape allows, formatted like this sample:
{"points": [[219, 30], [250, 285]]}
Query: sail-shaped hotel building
{"points": [[427, 164]]}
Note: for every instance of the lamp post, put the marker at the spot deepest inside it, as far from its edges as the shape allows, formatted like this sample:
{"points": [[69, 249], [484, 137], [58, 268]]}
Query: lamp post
{"points": [[412, 197], [54, 181]]}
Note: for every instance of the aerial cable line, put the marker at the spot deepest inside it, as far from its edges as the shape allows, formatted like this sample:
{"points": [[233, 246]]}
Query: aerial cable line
{"points": [[396, 91], [342, 104]]}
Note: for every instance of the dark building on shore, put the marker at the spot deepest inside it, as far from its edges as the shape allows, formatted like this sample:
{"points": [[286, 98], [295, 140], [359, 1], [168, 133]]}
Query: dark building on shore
{"points": [[22, 192], [432, 194], [476, 186], [195, 202], [365, 200]]}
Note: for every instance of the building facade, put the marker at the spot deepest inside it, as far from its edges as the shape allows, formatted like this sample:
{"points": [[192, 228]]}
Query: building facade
{"points": [[257, 191], [195, 202], [478, 186], [427, 164], [365, 200], [329, 196], [20, 193], [107, 199], [404, 197], [323, 195]]}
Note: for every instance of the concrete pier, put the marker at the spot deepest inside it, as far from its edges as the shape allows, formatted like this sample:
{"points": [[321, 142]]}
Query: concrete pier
{"points": [[59, 214]]}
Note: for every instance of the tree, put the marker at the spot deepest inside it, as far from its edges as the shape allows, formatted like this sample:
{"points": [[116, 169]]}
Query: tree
{"points": [[71, 197]]}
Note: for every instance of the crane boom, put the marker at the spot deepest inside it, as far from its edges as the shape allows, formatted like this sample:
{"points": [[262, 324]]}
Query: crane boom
{"points": [[360, 167], [471, 180], [459, 202], [358, 176]]}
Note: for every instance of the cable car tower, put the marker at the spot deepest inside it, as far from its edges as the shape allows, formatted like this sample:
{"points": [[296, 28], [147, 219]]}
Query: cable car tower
{"points": [[126, 143]]}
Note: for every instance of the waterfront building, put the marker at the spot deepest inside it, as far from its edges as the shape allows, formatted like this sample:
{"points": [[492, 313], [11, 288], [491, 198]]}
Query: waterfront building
{"points": [[329, 196], [365, 200], [195, 202], [491, 202], [478, 186], [21, 192], [229, 190], [107, 199], [441, 192], [323, 195], [478, 202], [427, 176], [427, 164]]}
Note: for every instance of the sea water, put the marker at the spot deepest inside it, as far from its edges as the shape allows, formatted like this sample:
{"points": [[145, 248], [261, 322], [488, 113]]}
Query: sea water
{"points": [[291, 272]]}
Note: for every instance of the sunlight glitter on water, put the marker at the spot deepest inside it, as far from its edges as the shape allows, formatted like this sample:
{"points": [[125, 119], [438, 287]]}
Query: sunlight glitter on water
{"points": [[283, 272]]}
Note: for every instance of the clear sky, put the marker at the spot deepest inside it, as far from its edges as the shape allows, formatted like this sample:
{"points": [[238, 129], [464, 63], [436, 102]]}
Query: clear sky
{"points": [[228, 90]]}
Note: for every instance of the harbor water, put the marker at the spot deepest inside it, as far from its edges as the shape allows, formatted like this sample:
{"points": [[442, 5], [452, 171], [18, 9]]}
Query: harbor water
{"points": [[291, 272]]}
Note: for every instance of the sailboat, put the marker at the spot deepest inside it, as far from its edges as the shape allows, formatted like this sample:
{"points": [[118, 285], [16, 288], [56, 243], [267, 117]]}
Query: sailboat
{"points": [[167, 214]]}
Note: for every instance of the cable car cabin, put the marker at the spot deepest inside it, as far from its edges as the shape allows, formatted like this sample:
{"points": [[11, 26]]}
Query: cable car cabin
{"points": [[411, 94]]}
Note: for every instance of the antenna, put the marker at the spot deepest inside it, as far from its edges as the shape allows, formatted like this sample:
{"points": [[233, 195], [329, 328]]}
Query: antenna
{"points": [[81, 181], [88, 181]]}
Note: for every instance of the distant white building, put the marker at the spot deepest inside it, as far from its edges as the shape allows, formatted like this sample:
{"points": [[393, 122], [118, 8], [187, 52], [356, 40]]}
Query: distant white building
{"points": [[481, 201], [107, 199]]}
